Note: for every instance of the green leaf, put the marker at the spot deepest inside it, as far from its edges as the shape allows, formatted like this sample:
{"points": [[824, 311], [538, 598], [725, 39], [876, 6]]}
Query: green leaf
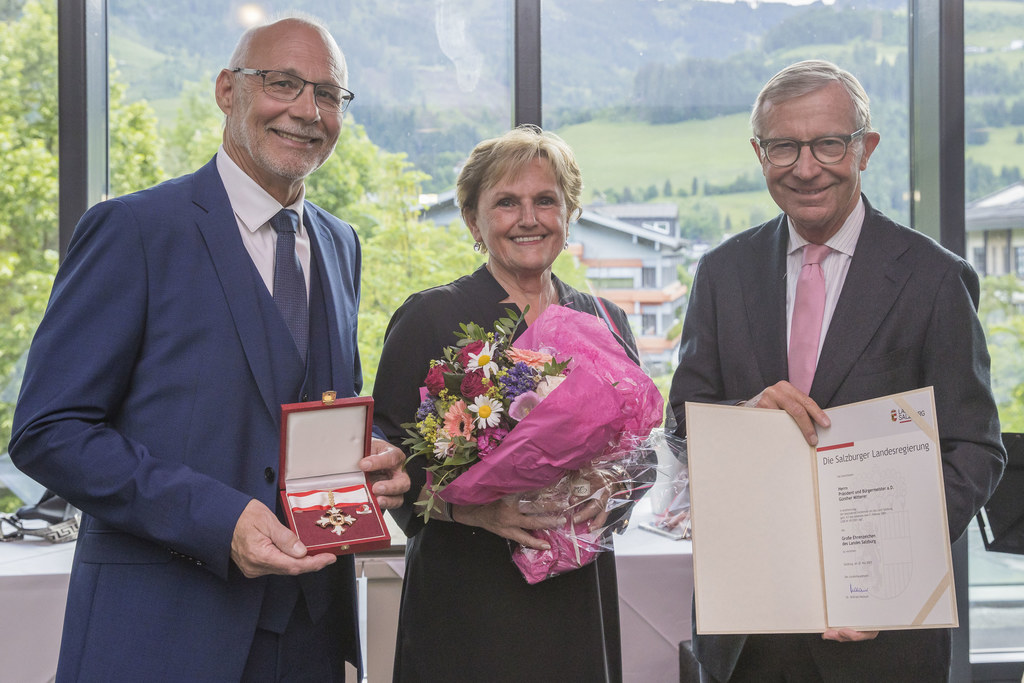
{"points": [[453, 382]]}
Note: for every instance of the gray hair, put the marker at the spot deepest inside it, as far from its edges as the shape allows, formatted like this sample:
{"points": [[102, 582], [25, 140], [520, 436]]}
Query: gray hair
{"points": [[806, 77]]}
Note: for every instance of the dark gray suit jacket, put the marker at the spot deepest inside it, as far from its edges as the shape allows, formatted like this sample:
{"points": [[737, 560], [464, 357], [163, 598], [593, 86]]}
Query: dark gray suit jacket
{"points": [[906, 318]]}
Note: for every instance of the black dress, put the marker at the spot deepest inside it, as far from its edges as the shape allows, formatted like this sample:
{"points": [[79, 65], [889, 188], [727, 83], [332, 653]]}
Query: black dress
{"points": [[467, 614]]}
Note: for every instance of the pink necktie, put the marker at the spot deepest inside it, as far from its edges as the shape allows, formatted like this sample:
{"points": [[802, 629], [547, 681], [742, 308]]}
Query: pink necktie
{"points": [[808, 310]]}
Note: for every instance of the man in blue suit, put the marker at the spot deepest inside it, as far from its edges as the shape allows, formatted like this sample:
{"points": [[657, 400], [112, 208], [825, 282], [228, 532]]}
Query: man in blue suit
{"points": [[899, 313], [152, 396]]}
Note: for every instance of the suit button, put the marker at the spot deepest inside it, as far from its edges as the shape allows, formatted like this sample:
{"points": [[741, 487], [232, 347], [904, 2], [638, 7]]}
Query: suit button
{"points": [[305, 397], [269, 475]]}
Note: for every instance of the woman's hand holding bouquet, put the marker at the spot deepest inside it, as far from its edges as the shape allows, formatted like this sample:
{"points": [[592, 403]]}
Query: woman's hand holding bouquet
{"points": [[561, 417]]}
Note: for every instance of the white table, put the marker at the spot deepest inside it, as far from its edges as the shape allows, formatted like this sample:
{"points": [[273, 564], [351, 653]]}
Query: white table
{"points": [[655, 590], [33, 589]]}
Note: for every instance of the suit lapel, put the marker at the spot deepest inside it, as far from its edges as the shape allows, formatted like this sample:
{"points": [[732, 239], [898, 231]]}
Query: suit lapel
{"points": [[219, 229], [764, 294], [872, 285], [325, 252]]}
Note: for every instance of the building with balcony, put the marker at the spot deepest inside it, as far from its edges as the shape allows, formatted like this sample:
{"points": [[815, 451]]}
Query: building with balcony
{"points": [[995, 232]]}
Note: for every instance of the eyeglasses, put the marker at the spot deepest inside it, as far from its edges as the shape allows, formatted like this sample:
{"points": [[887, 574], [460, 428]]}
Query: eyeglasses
{"points": [[828, 150], [287, 87]]}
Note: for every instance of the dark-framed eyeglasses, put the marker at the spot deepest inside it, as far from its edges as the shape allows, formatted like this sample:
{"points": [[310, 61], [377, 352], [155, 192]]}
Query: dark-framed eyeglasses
{"points": [[287, 87], [830, 149]]}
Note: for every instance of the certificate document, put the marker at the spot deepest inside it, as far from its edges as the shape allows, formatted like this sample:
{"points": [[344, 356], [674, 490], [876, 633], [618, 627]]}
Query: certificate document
{"points": [[791, 538]]}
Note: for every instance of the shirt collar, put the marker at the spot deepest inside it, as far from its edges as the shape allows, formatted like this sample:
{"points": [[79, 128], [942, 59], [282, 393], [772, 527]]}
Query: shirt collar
{"points": [[844, 241], [253, 206]]}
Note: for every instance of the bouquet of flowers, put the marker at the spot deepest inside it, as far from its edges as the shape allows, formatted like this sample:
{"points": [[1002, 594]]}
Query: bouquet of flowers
{"points": [[473, 397], [564, 406]]}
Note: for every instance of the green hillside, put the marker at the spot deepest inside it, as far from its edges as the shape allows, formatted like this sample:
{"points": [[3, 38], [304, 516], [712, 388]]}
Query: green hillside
{"points": [[613, 153]]}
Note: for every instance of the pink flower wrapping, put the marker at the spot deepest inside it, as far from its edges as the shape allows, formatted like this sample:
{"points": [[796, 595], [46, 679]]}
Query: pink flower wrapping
{"points": [[572, 547], [605, 401]]}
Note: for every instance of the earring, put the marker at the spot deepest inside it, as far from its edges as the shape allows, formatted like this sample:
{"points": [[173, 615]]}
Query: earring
{"points": [[565, 246], [478, 247]]}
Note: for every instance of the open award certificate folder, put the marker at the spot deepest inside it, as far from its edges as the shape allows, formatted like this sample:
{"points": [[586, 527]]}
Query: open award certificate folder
{"points": [[788, 538]]}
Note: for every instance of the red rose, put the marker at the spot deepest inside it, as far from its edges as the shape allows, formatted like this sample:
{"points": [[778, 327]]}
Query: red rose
{"points": [[472, 347], [473, 384], [435, 379]]}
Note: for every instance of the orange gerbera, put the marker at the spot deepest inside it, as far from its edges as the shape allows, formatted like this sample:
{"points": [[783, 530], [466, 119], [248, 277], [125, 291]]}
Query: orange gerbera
{"points": [[458, 421], [535, 359]]}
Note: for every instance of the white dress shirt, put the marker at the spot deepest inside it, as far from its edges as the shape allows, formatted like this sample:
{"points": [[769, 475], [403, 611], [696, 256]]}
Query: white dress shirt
{"points": [[835, 267], [254, 207]]}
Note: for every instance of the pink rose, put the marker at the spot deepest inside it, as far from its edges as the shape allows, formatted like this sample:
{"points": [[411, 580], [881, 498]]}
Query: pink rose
{"points": [[435, 379], [473, 384], [472, 347]]}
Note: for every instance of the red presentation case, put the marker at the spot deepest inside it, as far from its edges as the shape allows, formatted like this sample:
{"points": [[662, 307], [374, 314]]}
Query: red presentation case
{"points": [[321, 445]]}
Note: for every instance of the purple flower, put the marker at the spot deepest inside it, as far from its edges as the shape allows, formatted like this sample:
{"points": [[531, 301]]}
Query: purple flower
{"points": [[426, 408], [520, 379]]}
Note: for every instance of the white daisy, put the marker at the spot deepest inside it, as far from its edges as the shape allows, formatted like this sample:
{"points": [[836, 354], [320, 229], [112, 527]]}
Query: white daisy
{"points": [[483, 361], [488, 411]]}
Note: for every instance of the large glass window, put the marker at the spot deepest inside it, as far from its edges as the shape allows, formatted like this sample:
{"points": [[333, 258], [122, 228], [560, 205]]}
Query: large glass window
{"points": [[994, 137], [663, 118], [28, 202], [658, 119], [431, 79]]}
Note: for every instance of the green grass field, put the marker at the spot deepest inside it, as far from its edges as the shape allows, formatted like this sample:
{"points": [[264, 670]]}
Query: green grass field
{"points": [[717, 150], [1010, 15], [614, 154], [1000, 150]]}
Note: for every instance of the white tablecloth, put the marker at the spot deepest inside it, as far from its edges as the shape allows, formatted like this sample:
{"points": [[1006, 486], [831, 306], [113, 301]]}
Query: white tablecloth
{"points": [[655, 591], [655, 588], [33, 588]]}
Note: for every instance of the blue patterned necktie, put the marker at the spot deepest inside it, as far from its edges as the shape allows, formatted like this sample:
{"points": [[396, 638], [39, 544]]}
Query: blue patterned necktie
{"points": [[289, 284]]}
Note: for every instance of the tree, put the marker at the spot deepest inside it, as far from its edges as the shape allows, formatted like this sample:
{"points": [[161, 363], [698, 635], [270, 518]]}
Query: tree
{"points": [[702, 222], [377, 193], [197, 130], [28, 178], [1004, 331], [28, 187], [1016, 115]]}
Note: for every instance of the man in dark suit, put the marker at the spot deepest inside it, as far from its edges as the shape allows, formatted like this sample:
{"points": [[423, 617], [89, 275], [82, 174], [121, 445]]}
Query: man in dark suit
{"points": [[899, 313], [152, 395]]}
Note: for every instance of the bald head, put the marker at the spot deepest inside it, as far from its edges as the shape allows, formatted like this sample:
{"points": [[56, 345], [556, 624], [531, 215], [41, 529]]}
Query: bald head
{"points": [[255, 38]]}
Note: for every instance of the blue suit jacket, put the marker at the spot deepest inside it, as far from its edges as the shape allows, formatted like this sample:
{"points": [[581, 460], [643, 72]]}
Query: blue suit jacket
{"points": [[149, 403], [904, 320]]}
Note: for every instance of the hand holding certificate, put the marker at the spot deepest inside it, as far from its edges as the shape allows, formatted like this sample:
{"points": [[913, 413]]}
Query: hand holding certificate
{"points": [[789, 538]]}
